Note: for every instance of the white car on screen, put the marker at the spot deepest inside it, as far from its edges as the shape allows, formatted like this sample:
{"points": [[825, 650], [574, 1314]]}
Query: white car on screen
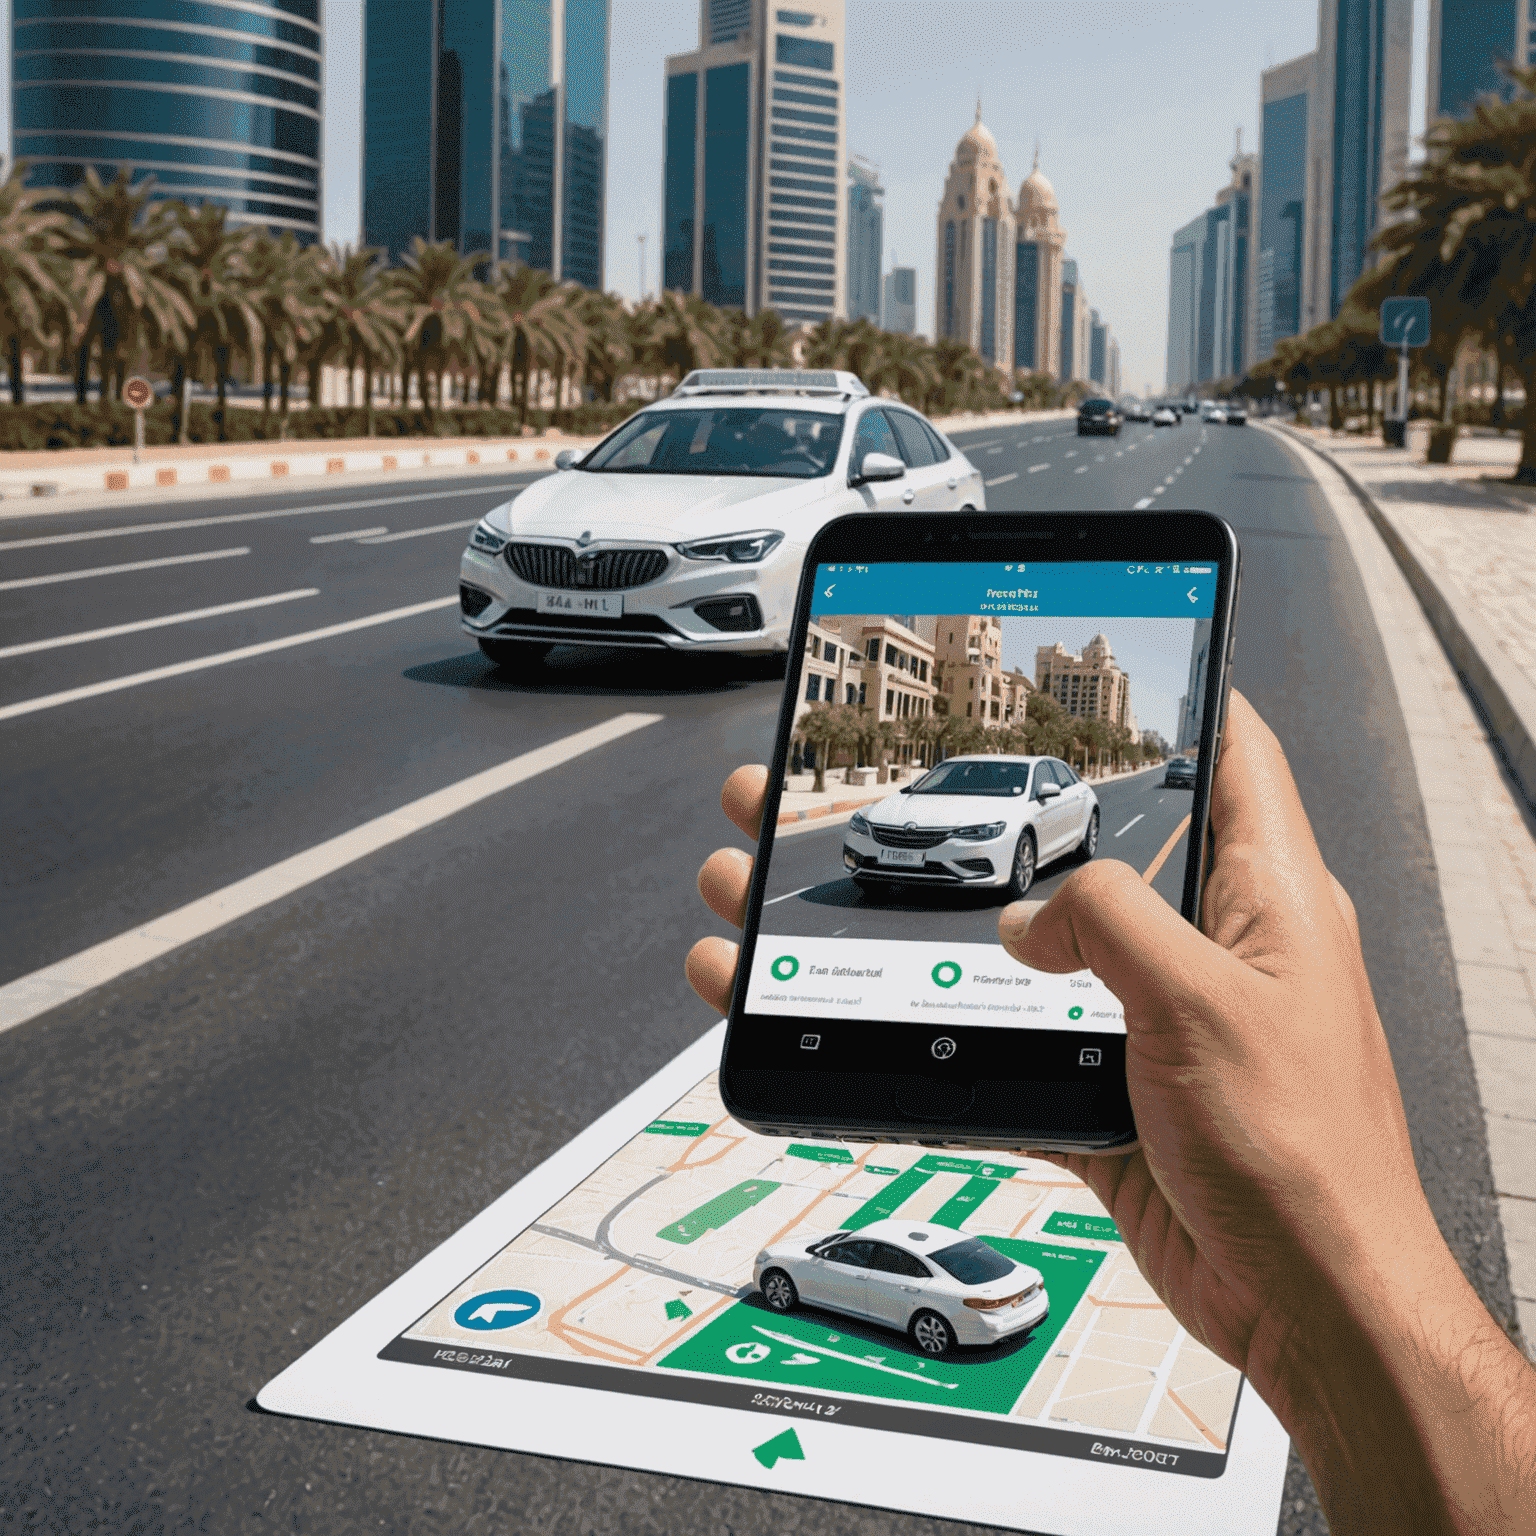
{"points": [[939, 1286], [686, 528], [985, 820]]}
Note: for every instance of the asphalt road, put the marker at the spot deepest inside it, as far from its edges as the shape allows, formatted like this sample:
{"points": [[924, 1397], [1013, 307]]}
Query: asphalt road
{"points": [[219, 1156]]}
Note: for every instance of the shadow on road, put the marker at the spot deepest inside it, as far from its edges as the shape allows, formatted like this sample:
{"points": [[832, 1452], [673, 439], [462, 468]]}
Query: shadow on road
{"points": [[848, 893], [604, 672]]}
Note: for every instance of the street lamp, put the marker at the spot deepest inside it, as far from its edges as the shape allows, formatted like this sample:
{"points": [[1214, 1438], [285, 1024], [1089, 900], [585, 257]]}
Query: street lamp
{"points": [[641, 239]]}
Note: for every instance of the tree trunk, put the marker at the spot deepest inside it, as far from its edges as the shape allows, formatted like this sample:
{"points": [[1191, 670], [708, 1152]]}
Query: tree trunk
{"points": [[221, 367], [1526, 473], [83, 369], [268, 352], [18, 384], [368, 390], [1335, 415], [284, 370]]}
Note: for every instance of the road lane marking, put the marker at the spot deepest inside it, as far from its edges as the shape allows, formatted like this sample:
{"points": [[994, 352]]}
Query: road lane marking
{"points": [[1168, 847], [801, 892], [416, 533], [355, 533], [1157, 490], [1132, 447], [1142, 505], [218, 659], [1190, 459], [1071, 453], [1004, 479], [1082, 469], [1119, 453], [171, 618], [30, 995], [1131, 823], [1035, 469], [120, 570], [994, 450], [248, 517]]}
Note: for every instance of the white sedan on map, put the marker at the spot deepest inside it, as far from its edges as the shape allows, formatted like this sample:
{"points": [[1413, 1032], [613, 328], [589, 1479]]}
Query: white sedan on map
{"points": [[987, 819], [939, 1286]]}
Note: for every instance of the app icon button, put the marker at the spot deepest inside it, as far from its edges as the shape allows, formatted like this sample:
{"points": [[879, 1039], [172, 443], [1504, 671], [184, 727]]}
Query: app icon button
{"points": [[946, 973], [1074, 1013], [784, 968], [943, 1048], [1088, 1056], [810, 1042], [491, 1311]]}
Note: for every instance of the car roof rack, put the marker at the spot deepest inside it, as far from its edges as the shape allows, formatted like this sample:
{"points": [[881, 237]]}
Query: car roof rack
{"points": [[772, 381]]}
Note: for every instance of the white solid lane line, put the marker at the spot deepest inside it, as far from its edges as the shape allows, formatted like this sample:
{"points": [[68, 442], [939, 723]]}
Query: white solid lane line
{"points": [[1082, 469], [28, 996], [994, 450], [1142, 505], [114, 630], [245, 517], [1131, 823], [355, 533], [118, 570], [1004, 479], [785, 897], [1035, 469], [218, 659], [416, 533]]}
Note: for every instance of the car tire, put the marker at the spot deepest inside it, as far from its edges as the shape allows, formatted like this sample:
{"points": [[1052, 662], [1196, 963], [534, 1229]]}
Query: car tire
{"points": [[778, 1290], [1090, 843], [931, 1333], [1021, 874], [514, 655]]}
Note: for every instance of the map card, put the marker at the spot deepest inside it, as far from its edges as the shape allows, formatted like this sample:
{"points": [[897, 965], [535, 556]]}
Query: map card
{"points": [[614, 1306]]}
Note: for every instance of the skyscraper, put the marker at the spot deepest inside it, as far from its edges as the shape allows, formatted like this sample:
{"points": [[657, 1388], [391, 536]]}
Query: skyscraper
{"points": [[485, 124], [1098, 349], [1359, 140], [1208, 286], [218, 110], [1037, 335], [899, 307], [753, 212], [866, 239], [1466, 40], [1285, 94]]}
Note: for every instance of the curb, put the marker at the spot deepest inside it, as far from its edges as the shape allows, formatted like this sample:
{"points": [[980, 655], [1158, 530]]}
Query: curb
{"points": [[836, 808], [1507, 701]]}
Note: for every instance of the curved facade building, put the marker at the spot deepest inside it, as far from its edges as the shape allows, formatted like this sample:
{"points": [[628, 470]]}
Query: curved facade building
{"points": [[219, 102]]}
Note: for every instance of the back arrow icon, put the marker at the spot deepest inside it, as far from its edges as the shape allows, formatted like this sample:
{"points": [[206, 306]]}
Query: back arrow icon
{"points": [[828, 592], [1191, 594]]}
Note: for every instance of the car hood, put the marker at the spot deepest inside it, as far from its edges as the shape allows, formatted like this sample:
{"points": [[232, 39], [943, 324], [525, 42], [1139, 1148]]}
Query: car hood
{"points": [[945, 810], [664, 508]]}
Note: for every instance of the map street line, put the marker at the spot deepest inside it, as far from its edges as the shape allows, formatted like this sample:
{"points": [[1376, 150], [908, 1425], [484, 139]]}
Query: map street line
{"points": [[837, 1354]]}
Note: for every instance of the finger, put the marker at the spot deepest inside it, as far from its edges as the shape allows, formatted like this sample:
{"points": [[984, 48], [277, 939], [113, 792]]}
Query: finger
{"points": [[711, 970], [743, 796], [723, 883]]}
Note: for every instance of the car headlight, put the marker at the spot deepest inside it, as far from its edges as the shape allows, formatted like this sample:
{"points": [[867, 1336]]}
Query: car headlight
{"points": [[981, 833], [857, 823], [486, 539], [737, 548]]}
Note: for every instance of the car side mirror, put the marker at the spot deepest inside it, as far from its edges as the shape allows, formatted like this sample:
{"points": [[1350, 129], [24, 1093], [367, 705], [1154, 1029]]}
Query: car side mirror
{"points": [[567, 458], [878, 466], [906, 789], [1048, 791]]}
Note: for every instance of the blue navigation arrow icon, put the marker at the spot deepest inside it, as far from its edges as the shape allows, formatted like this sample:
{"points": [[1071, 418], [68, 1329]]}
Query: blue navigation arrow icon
{"points": [[492, 1311]]}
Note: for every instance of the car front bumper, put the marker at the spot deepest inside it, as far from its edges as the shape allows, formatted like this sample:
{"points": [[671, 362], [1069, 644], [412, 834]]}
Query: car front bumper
{"points": [[952, 862], [672, 612]]}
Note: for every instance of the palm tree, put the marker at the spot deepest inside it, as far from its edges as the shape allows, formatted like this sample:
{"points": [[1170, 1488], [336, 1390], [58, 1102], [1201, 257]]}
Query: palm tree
{"points": [[122, 292], [210, 265], [902, 366], [764, 340], [286, 299], [608, 353], [367, 315], [445, 306], [33, 277], [684, 334], [542, 328]]}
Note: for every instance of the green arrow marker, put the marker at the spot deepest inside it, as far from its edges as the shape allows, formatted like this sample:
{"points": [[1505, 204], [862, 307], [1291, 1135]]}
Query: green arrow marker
{"points": [[786, 1446]]}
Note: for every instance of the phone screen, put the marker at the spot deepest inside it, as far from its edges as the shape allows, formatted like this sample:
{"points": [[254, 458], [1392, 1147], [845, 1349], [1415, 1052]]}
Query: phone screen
{"points": [[990, 727]]}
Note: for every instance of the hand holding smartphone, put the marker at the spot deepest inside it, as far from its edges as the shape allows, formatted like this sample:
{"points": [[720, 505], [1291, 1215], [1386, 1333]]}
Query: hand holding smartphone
{"points": [[989, 668]]}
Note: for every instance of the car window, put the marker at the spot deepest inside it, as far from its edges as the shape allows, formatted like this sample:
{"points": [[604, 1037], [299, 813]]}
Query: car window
{"points": [[874, 435], [915, 447], [722, 440], [1044, 774], [855, 1253], [1064, 775], [897, 1261], [941, 449], [972, 1262], [969, 777]]}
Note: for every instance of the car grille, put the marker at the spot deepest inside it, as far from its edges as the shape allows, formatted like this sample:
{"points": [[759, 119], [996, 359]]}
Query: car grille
{"points": [[900, 837], [609, 570]]}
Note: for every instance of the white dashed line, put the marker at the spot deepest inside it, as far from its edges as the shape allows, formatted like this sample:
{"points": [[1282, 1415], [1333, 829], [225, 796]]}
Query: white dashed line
{"points": [[1004, 479], [1082, 469], [118, 570], [1131, 823], [1142, 505], [416, 533], [1035, 469], [356, 533], [994, 450], [788, 894]]}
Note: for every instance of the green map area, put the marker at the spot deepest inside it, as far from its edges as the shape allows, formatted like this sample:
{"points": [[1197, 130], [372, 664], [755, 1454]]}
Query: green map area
{"points": [[819, 1350], [715, 1213], [1071, 1224], [814, 1154], [688, 1128], [984, 1178]]}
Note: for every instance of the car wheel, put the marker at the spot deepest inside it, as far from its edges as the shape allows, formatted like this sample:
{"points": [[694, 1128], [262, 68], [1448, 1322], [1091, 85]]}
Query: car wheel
{"points": [[1022, 875], [931, 1333], [514, 655], [1090, 843], [779, 1291]]}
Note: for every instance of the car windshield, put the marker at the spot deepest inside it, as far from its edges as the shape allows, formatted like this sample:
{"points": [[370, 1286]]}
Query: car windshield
{"points": [[972, 1262], [970, 778], [722, 440], [1098, 405]]}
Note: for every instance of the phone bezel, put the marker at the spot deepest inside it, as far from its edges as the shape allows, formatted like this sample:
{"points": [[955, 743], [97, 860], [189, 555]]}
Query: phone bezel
{"points": [[828, 1102]]}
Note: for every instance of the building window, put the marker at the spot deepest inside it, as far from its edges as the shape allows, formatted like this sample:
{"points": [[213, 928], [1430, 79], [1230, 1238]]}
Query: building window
{"points": [[812, 688], [989, 289], [853, 695], [803, 53], [922, 671], [816, 646], [872, 649], [949, 281], [831, 653], [890, 699], [968, 709], [682, 128], [727, 102], [862, 700]]}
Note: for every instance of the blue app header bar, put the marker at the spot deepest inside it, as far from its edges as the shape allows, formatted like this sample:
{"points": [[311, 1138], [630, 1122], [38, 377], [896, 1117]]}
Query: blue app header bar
{"points": [[1047, 589]]}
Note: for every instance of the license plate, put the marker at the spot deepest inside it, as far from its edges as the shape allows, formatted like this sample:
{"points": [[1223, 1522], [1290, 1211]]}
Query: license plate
{"points": [[583, 605], [909, 856]]}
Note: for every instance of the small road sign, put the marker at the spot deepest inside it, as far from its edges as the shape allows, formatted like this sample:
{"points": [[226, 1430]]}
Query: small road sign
{"points": [[138, 394], [1405, 322]]}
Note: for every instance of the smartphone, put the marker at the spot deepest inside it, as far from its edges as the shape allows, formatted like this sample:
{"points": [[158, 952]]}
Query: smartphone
{"points": [[976, 704]]}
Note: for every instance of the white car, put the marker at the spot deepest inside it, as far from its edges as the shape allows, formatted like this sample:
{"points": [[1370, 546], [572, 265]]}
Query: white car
{"points": [[1237, 415], [686, 528], [986, 820], [1165, 416], [939, 1286], [1213, 413]]}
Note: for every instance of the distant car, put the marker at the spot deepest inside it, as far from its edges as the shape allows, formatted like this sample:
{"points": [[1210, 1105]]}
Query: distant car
{"points": [[1165, 416], [1213, 413], [1237, 415], [1137, 410], [939, 1286], [1189, 407], [1098, 415], [987, 820], [1179, 773]]}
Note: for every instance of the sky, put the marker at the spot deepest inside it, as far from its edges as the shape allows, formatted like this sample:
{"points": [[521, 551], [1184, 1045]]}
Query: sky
{"points": [[1135, 104]]}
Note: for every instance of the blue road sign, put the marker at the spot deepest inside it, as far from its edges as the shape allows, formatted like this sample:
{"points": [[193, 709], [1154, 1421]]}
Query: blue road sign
{"points": [[1405, 322], [491, 1311]]}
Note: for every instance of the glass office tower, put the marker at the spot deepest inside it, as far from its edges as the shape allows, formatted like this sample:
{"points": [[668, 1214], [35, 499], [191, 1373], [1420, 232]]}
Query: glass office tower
{"points": [[866, 239], [485, 124], [1026, 280], [1467, 39], [1069, 321], [220, 103], [1285, 94]]}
